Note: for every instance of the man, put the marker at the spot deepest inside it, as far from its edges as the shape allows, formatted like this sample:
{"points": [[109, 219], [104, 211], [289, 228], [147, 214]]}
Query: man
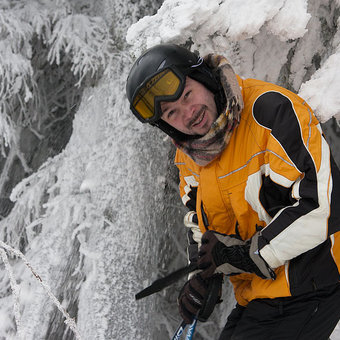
{"points": [[262, 188]]}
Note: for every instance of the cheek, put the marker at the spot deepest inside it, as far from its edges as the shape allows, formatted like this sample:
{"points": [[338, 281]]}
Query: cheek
{"points": [[211, 103], [176, 122]]}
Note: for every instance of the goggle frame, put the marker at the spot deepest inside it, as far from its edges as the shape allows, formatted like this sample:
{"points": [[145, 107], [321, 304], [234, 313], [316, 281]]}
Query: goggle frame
{"points": [[157, 112]]}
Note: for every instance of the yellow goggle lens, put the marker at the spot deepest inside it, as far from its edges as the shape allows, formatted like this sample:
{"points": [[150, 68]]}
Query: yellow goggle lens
{"points": [[163, 84]]}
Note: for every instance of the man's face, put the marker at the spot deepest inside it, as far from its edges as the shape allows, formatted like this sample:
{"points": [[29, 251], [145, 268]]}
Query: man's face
{"points": [[194, 112]]}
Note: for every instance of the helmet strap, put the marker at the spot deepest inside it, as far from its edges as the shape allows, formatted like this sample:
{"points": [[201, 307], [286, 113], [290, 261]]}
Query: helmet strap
{"points": [[220, 101]]}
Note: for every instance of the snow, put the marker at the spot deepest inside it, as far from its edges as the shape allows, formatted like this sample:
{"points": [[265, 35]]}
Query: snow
{"points": [[322, 90], [102, 220], [179, 21], [280, 20], [291, 21], [336, 333]]}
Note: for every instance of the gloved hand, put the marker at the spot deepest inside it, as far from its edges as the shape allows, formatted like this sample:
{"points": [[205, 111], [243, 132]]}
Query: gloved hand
{"points": [[229, 255], [198, 297]]}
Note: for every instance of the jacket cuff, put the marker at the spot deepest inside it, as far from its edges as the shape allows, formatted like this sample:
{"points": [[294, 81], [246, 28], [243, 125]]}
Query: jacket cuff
{"points": [[268, 254]]}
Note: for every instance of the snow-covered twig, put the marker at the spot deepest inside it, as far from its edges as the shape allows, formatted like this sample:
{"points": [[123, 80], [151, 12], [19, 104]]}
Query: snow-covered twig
{"points": [[15, 290], [69, 321]]}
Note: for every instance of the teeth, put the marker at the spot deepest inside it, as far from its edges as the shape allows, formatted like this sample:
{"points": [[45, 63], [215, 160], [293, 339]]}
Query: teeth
{"points": [[201, 118]]}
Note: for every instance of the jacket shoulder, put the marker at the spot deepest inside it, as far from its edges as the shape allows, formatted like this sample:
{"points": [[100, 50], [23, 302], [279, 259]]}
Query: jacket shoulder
{"points": [[182, 159], [267, 91]]}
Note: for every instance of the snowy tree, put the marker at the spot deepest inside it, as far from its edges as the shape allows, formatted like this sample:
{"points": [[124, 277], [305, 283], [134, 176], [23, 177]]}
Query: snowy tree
{"points": [[48, 53]]}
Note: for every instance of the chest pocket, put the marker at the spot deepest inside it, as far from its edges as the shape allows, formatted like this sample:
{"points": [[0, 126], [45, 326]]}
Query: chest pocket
{"points": [[247, 221], [218, 210]]}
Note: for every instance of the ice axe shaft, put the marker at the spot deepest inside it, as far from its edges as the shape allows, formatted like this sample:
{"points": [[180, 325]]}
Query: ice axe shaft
{"points": [[166, 281]]}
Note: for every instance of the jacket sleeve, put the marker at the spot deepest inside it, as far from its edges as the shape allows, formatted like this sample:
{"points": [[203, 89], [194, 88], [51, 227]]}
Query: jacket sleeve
{"points": [[297, 183], [188, 191], [188, 184]]}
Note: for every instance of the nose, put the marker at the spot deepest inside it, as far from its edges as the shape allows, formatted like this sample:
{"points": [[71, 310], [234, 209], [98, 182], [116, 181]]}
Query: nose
{"points": [[188, 112]]}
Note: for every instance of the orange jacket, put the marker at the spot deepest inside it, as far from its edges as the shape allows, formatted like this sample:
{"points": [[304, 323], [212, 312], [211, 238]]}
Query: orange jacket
{"points": [[276, 175]]}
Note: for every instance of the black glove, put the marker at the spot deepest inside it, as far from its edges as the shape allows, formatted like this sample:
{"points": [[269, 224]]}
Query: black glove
{"points": [[198, 298], [229, 255]]}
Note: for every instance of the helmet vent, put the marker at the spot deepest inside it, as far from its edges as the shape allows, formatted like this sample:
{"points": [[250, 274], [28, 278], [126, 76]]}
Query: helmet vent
{"points": [[199, 62], [161, 65]]}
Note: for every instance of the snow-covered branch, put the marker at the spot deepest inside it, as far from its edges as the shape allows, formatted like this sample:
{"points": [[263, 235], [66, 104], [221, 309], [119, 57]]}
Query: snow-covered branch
{"points": [[85, 39], [205, 20], [82, 40], [68, 320]]}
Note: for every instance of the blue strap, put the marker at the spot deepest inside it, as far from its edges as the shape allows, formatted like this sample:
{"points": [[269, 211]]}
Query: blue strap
{"points": [[191, 330], [181, 329]]}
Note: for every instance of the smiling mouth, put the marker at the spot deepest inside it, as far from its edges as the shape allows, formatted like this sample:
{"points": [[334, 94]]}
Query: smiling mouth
{"points": [[198, 119]]}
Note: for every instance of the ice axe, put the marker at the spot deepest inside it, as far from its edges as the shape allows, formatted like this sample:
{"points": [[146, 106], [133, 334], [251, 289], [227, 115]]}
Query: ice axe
{"points": [[215, 283], [166, 281]]}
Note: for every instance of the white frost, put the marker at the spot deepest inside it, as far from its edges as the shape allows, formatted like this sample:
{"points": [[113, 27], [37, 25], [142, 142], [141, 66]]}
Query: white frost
{"points": [[322, 90]]}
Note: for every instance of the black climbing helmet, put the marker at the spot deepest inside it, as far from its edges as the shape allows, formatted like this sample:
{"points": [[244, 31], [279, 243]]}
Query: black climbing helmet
{"points": [[159, 75]]}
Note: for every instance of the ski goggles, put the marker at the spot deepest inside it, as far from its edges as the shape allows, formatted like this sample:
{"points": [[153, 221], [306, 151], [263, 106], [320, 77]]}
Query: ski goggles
{"points": [[166, 85]]}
